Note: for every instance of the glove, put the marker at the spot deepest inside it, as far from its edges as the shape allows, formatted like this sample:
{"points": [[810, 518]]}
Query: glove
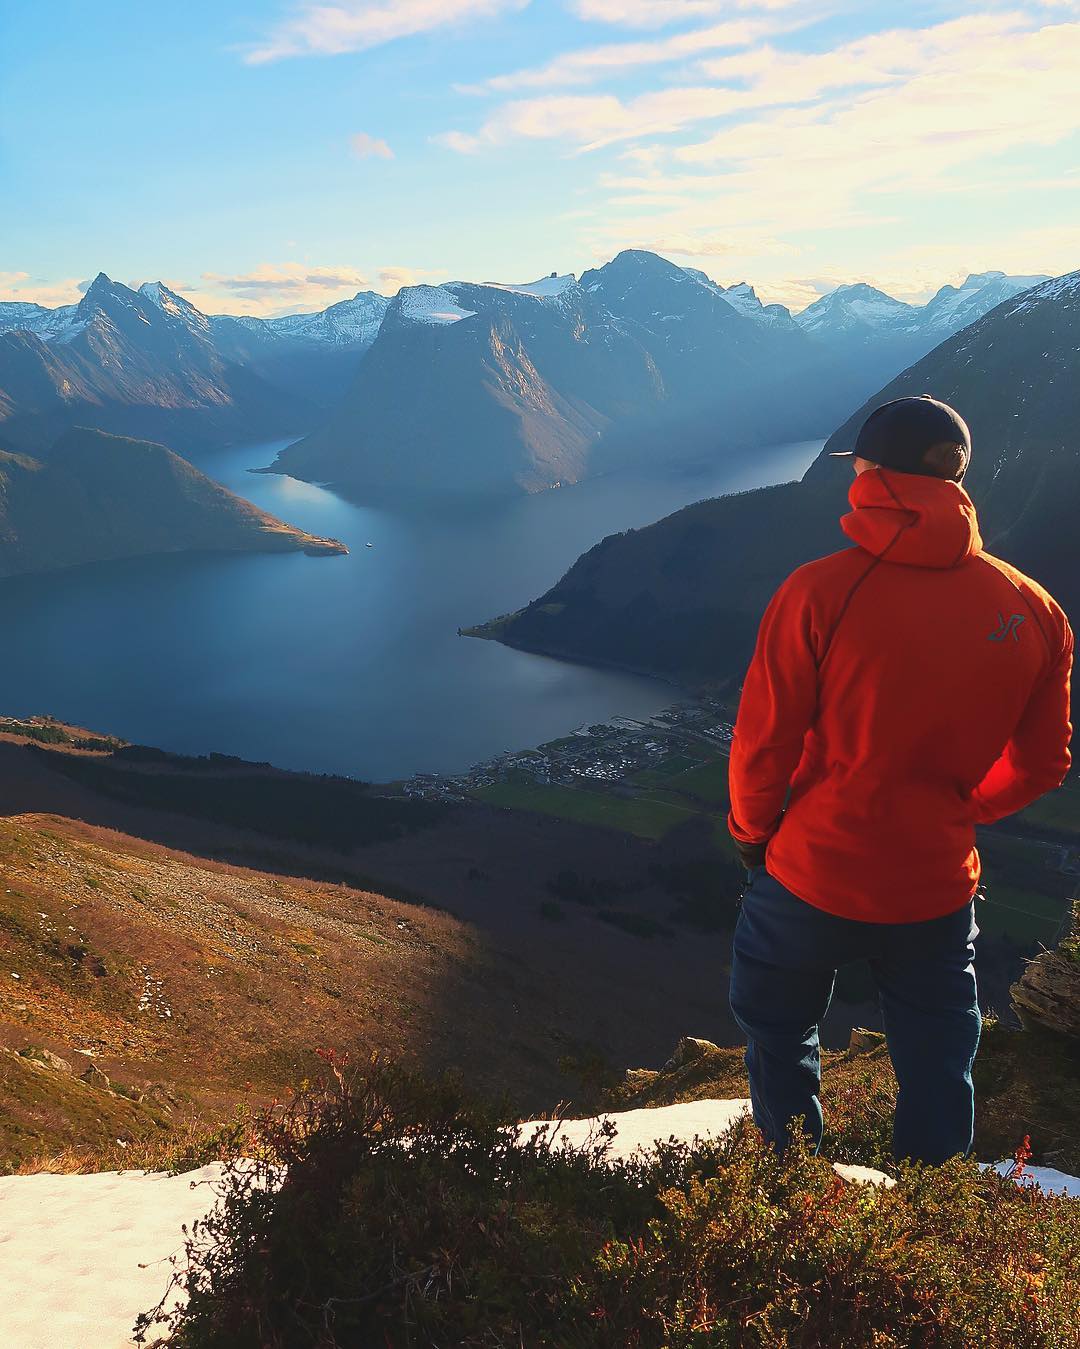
{"points": [[750, 854]]}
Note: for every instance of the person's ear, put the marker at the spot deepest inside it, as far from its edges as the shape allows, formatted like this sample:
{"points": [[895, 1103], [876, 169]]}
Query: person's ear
{"points": [[947, 460]]}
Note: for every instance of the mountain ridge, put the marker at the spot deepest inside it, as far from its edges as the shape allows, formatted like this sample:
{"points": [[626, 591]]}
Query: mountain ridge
{"points": [[717, 371], [682, 597]]}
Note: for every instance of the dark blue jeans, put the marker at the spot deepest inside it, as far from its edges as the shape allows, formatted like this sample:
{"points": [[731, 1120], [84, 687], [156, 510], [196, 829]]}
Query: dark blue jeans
{"points": [[786, 954]]}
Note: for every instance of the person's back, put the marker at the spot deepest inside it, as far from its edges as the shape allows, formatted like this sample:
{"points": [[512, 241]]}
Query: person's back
{"points": [[902, 691]]}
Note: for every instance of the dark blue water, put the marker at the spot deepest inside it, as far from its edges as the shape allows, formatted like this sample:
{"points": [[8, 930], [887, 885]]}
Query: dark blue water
{"points": [[341, 664]]}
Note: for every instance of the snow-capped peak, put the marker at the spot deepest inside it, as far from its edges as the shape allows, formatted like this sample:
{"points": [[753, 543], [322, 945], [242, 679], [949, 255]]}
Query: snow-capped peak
{"points": [[174, 306], [853, 307], [743, 297]]}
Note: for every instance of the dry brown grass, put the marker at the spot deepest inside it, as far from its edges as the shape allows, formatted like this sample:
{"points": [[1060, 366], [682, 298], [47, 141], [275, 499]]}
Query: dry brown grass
{"points": [[195, 985]]}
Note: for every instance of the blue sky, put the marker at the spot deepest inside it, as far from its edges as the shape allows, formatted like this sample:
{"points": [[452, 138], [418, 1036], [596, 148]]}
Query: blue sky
{"points": [[266, 157]]}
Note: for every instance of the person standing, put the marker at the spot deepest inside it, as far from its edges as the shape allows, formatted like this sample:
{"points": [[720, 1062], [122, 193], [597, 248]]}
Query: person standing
{"points": [[901, 692]]}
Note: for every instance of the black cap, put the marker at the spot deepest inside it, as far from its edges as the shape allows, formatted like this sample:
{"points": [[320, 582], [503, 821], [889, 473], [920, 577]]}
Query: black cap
{"points": [[898, 434]]}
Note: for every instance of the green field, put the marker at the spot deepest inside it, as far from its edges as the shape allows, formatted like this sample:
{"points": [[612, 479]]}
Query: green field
{"points": [[1058, 810], [706, 781], [644, 816], [1021, 915], [1026, 902]]}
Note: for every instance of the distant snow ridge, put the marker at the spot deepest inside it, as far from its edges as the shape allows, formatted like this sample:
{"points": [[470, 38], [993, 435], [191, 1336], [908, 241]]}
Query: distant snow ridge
{"points": [[51, 325], [955, 307], [431, 304], [1058, 289], [347, 323], [856, 306], [744, 298], [547, 288]]}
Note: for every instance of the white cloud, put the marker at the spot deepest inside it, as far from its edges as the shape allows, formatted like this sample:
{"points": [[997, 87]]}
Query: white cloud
{"points": [[36, 290], [732, 243], [915, 272], [276, 288], [851, 141], [659, 13], [370, 147], [459, 141], [595, 63], [751, 80], [356, 25], [391, 279]]}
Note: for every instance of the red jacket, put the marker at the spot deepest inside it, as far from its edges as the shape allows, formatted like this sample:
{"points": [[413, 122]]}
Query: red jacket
{"points": [[903, 690]]}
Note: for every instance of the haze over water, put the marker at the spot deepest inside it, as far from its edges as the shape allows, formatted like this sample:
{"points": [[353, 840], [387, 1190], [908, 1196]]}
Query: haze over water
{"points": [[342, 664]]}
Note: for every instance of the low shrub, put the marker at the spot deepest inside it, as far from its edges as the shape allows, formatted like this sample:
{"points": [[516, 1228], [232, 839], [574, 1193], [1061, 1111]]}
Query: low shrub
{"points": [[393, 1212]]}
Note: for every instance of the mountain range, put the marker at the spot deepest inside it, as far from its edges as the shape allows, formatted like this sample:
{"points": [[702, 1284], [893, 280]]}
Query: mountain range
{"points": [[140, 363], [469, 387], [682, 597], [639, 362], [97, 497]]}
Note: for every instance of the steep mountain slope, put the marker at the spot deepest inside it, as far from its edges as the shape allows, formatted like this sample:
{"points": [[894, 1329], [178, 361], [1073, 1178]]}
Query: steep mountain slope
{"points": [[138, 362], [97, 497], [480, 388], [682, 597]]}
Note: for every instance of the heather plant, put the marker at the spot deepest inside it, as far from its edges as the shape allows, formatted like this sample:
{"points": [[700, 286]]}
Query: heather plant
{"points": [[386, 1210]]}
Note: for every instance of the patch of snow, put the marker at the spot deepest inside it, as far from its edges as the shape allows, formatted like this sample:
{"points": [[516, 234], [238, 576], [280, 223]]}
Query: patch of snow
{"points": [[1045, 1177], [642, 1128], [89, 1253], [431, 304], [547, 288]]}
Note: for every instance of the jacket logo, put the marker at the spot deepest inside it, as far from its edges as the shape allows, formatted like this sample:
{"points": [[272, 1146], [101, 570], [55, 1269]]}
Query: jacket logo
{"points": [[1007, 624]]}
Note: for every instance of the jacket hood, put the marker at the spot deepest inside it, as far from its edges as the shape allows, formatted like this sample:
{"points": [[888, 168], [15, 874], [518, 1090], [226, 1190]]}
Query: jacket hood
{"points": [[911, 519]]}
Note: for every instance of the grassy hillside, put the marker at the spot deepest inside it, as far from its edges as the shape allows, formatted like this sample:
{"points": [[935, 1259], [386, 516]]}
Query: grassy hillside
{"points": [[145, 992]]}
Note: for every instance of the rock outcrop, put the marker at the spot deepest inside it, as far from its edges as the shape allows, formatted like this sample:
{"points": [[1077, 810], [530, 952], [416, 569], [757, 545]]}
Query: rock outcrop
{"points": [[1048, 993]]}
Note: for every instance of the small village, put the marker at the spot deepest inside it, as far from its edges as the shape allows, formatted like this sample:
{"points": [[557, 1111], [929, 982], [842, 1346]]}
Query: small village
{"points": [[613, 753]]}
